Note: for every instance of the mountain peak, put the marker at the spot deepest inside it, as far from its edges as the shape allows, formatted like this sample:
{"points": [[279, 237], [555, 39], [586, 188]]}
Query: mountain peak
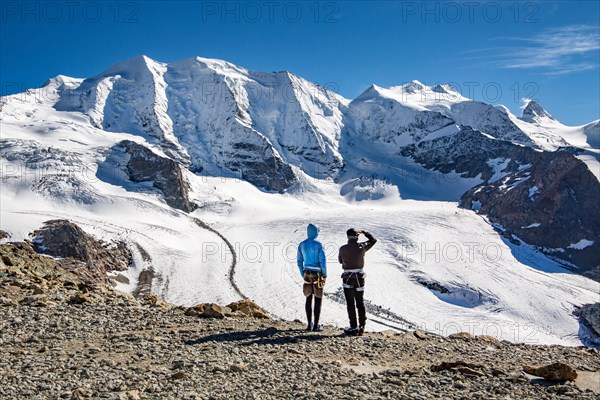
{"points": [[216, 63], [414, 86], [446, 88], [62, 80], [138, 60], [370, 92], [132, 67], [534, 111]]}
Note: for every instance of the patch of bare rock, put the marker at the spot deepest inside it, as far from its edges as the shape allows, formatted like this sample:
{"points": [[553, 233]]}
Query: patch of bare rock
{"points": [[81, 252]]}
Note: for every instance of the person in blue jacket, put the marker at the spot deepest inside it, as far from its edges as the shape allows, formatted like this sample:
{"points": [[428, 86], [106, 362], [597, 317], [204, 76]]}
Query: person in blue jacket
{"points": [[313, 268]]}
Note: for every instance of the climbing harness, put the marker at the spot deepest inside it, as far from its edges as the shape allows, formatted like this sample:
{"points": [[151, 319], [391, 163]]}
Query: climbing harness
{"points": [[357, 274], [320, 281]]}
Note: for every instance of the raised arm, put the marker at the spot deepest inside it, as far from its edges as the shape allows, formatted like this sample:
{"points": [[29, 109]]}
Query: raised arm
{"points": [[370, 240]]}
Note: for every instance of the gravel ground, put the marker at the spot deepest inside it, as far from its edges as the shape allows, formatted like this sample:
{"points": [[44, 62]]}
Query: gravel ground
{"points": [[61, 338]]}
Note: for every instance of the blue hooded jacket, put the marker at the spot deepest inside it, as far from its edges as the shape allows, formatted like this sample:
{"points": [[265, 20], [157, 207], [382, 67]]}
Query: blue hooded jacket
{"points": [[310, 253]]}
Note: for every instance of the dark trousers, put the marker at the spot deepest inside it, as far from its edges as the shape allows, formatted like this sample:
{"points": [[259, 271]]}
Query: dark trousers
{"points": [[354, 302], [308, 308]]}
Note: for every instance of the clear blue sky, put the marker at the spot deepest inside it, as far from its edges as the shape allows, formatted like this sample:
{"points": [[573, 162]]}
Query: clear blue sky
{"points": [[496, 51]]}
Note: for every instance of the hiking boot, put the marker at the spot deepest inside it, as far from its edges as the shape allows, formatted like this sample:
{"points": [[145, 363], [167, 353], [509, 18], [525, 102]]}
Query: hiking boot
{"points": [[318, 328], [361, 331], [309, 327], [351, 331]]}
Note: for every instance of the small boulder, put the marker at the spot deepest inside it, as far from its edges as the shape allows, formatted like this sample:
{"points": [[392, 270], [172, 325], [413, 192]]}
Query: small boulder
{"points": [[37, 289], [80, 298], [468, 371], [178, 375], [461, 367], [461, 335], [556, 372], [195, 311], [237, 367], [82, 393], [489, 339], [421, 335], [213, 310], [35, 301], [247, 308], [208, 310], [5, 301], [154, 301]]}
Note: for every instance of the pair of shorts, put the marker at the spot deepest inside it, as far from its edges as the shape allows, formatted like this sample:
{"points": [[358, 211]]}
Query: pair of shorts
{"points": [[311, 286]]}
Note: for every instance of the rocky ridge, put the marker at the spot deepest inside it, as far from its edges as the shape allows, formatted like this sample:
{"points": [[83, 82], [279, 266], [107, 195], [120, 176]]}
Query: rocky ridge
{"points": [[589, 315], [64, 338], [541, 198], [165, 174], [79, 251]]}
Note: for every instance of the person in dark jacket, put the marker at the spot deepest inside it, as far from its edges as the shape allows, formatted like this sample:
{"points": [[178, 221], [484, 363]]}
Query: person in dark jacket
{"points": [[352, 258], [313, 268]]}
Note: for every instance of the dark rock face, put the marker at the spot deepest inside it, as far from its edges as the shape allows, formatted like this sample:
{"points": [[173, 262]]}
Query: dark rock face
{"points": [[466, 152], [534, 111], [593, 273], [589, 314], [487, 118], [546, 199], [270, 173], [552, 205], [86, 256], [165, 174], [592, 131]]}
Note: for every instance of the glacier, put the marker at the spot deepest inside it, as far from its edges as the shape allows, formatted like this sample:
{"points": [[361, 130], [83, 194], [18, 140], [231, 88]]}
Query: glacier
{"points": [[265, 153]]}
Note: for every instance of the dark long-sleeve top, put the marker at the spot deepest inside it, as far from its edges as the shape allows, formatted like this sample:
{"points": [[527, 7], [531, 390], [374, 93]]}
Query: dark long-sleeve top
{"points": [[352, 254]]}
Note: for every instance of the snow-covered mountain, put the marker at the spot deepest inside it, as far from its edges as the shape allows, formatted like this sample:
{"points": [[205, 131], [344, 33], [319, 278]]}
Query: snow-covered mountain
{"points": [[145, 151], [413, 112], [550, 134], [220, 118]]}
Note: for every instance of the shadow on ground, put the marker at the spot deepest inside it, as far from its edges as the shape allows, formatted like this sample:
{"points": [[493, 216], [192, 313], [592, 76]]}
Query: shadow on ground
{"points": [[272, 336]]}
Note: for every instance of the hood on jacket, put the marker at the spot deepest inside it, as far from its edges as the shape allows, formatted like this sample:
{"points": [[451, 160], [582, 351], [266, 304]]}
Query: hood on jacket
{"points": [[312, 231]]}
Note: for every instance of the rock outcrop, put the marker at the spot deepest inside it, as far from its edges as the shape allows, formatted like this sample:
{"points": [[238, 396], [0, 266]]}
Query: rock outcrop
{"points": [[242, 308], [546, 199], [533, 111], [164, 173], [556, 372], [466, 152], [270, 173], [590, 316], [549, 201], [81, 252], [247, 308]]}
